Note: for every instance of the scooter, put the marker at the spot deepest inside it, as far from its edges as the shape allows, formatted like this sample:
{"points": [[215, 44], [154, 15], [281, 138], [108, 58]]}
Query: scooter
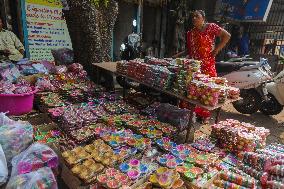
{"points": [[248, 76], [273, 101]]}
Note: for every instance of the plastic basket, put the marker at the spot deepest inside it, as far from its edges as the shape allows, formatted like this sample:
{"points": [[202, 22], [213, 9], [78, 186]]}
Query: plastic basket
{"points": [[17, 104]]}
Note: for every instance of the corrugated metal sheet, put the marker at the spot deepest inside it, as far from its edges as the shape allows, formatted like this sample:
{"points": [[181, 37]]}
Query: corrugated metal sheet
{"points": [[273, 28]]}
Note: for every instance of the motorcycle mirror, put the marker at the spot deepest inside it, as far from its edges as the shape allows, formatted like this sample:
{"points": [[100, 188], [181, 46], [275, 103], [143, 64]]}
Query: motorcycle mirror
{"points": [[134, 23], [122, 47]]}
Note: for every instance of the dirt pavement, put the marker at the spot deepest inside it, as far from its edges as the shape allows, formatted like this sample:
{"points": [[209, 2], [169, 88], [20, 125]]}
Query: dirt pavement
{"points": [[274, 123]]}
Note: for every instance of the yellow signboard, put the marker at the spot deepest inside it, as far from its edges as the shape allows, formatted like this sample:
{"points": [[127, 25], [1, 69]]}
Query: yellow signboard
{"points": [[50, 3]]}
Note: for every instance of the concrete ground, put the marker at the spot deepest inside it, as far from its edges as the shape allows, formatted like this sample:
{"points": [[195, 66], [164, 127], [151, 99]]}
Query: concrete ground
{"points": [[274, 123]]}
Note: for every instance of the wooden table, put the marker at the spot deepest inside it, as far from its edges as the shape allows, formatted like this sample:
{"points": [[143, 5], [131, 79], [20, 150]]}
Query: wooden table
{"points": [[111, 67]]}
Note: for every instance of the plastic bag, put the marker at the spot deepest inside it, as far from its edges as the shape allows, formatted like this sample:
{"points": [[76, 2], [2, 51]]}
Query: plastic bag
{"points": [[63, 56], [3, 167], [5, 120], [43, 178], [44, 84], [36, 156], [173, 115], [23, 61], [14, 136], [40, 68], [10, 73], [60, 69], [28, 70]]}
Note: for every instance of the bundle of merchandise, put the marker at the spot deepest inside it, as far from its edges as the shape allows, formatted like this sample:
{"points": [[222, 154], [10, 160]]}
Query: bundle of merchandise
{"points": [[156, 61], [183, 77], [34, 168], [122, 67], [185, 70], [239, 137], [9, 72], [211, 91], [161, 77], [88, 161], [76, 116], [15, 136], [173, 115], [21, 87], [266, 165], [153, 75], [227, 179]]}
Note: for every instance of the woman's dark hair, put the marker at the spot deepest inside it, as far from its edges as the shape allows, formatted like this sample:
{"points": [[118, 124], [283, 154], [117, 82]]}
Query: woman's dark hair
{"points": [[201, 12]]}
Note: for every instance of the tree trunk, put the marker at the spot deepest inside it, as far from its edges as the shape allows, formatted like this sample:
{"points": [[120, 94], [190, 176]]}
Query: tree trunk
{"points": [[90, 30]]}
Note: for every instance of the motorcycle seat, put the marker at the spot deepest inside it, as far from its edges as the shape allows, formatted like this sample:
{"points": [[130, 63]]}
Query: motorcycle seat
{"points": [[228, 67]]}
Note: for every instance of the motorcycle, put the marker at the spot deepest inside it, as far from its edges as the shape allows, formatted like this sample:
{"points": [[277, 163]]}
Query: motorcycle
{"points": [[273, 101], [248, 76]]}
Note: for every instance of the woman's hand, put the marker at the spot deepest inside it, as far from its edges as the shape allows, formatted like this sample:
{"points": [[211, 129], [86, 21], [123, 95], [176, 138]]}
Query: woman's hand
{"points": [[215, 52], [179, 54]]}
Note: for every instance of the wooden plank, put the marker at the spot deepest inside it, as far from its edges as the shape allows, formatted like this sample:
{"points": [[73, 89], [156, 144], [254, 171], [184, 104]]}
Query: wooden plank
{"points": [[109, 66]]}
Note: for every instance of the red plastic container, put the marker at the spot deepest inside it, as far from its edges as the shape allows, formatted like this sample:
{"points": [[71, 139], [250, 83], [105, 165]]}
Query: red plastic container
{"points": [[17, 104]]}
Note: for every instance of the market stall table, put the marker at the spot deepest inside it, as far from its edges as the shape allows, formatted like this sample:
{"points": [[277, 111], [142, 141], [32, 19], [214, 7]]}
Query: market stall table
{"points": [[111, 67]]}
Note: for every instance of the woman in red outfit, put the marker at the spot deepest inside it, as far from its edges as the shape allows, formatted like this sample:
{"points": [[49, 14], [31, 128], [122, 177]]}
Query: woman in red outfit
{"points": [[201, 40], [201, 46]]}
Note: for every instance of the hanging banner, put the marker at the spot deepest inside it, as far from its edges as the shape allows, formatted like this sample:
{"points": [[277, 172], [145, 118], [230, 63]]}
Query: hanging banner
{"points": [[46, 28], [245, 10]]}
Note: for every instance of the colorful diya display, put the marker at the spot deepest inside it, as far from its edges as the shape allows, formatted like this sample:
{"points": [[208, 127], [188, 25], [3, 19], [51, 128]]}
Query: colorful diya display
{"points": [[102, 153], [167, 129], [75, 156], [109, 143], [169, 161], [112, 121], [82, 135], [204, 145], [151, 132], [138, 141], [98, 151], [125, 151], [181, 151], [135, 124], [52, 100], [116, 138], [113, 179], [166, 178], [117, 107], [202, 160], [135, 169], [42, 135], [166, 144], [189, 171], [88, 170]]}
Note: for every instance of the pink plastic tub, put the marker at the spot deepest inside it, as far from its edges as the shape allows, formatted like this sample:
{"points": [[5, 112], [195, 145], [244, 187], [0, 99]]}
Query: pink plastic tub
{"points": [[17, 104]]}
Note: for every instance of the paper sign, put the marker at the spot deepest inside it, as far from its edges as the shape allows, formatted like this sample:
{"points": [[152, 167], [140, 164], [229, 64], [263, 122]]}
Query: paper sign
{"points": [[46, 28]]}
